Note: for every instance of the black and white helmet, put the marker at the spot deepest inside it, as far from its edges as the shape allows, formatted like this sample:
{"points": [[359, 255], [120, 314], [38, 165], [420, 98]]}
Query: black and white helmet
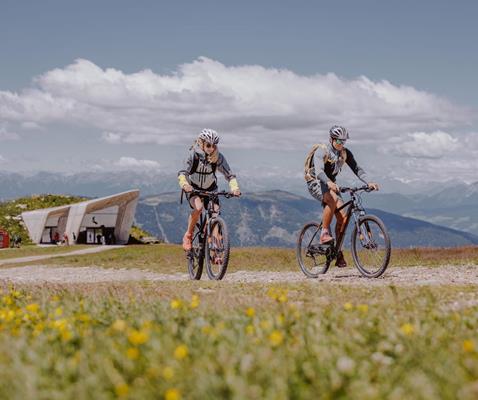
{"points": [[209, 136], [338, 132]]}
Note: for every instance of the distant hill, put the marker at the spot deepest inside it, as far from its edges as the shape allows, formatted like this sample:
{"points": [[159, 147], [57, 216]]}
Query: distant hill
{"points": [[273, 218]]}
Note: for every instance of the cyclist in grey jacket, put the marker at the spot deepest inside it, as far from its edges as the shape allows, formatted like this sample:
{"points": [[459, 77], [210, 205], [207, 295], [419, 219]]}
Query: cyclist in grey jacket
{"points": [[324, 188], [199, 173]]}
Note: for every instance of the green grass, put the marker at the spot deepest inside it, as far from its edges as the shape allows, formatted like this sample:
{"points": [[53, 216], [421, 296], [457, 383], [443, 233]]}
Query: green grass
{"points": [[202, 340], [170, 258], [33, 250]]}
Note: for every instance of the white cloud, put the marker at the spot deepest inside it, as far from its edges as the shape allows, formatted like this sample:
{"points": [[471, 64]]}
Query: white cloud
{"points": [[2, 159], [133, 163], [426, 145], [7, 135], [251, 105], [112, 137]]}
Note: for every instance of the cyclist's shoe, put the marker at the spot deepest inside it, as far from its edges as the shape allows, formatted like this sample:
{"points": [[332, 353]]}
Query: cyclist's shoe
{"points": [[187, 242], [340, 262], [325, 237]]}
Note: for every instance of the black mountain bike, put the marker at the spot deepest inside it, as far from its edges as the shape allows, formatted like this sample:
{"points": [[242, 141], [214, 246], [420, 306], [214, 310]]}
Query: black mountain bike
{"points": [[210, 239], [370, 241]]}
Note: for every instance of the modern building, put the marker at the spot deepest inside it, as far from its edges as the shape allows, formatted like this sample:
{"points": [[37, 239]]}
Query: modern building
{"points": [[105, 220]]}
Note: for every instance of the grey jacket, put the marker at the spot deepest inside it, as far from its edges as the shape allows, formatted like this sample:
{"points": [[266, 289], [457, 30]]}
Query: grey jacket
{"points": [[200, 173]]}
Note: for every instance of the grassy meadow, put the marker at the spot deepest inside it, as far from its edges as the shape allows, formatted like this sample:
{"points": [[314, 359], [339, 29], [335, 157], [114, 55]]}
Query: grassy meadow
{"points": [[169, 258], [202, 340]]}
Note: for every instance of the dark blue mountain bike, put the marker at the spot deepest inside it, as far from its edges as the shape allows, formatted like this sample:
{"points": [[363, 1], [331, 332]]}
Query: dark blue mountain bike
{"points": [[370, 241], [210, 239]]}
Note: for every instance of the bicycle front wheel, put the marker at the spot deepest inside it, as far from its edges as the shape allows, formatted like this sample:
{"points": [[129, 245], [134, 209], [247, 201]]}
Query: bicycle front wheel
{"points": [[313, 258], [217, 249], [371, 248], [196, 255]]}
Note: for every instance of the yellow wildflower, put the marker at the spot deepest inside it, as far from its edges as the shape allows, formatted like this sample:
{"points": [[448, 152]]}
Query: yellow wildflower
{"points": [[407, 329], [194, 301], [469, 346], [266, 324], [132, 353], [33, 308], [250, 329], [119, 325], [276, 338], [363, 308], [181, 352], [348, 306], [66, 335], [58, 312], [172, 394], [168, 373], [176, 303], [250, 312], [138, 337], [122, 389], [7, 300], [283, 297]]}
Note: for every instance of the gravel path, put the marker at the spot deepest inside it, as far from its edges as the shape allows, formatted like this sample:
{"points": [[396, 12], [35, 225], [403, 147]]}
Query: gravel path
{"points": [[27, 259], [454, 275]]}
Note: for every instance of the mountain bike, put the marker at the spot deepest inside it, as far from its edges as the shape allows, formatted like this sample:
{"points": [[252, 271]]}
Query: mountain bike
{"points": [[210, 241], [370, 241]]}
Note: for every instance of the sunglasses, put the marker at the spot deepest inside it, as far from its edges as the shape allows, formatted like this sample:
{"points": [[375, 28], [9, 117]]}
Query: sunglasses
{"points": [[340, 141], [209, 145]]}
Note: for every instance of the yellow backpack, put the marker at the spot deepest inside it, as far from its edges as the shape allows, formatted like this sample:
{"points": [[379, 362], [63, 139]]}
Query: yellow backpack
{"points": [[309, 167]]}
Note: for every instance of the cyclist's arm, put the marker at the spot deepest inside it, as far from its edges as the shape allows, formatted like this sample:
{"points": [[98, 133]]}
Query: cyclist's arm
{"points": [[318, 166], [223, 168], [183, 174], [356, 169]]}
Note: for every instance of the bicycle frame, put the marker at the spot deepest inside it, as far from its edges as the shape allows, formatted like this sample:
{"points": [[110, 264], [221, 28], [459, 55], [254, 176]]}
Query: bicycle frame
{"points": [[354, 209], [208, 213]]}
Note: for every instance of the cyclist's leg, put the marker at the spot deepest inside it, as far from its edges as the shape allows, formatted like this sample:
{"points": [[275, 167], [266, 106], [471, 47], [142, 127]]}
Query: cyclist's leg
{"points": [[340, 216], [196, 204], [330, 205]]}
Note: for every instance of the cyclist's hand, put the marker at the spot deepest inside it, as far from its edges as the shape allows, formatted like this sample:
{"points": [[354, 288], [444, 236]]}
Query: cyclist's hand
{"points": [[332, 186], [187, 188], [236, 193], [373, 186]]}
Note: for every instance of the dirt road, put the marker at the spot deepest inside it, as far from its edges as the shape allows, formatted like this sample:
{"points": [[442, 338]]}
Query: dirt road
{"points": [[453, 275]]}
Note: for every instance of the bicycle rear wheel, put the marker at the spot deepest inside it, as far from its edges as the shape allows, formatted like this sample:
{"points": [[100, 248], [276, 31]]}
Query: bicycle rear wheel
{"points": [[371, 248], [217, 249], [313, 258], [196, 255]]}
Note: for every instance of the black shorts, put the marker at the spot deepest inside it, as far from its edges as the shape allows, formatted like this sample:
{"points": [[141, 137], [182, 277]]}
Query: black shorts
{"points": [[205, 200], [318, 189]]}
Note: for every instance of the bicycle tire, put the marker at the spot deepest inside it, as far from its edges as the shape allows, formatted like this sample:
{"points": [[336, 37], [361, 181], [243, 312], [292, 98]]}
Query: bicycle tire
{"points": [[212, 245], [303, 250], [196, 256], [359, 261]]}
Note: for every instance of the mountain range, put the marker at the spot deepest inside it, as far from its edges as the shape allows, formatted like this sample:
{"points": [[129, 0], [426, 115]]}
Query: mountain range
{"points": [[274, 218], [452, 204]]}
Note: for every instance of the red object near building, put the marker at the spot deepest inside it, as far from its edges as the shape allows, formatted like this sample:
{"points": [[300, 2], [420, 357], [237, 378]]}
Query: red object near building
{"points": [[4, 239]]}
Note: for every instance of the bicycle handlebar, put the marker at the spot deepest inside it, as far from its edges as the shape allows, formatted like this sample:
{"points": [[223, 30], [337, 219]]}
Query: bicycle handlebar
{"points": [[365, 188], [204, 193]]}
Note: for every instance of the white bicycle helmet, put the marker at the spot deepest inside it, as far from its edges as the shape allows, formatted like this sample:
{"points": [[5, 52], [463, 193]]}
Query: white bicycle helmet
{"points": [[338, 132], [209, 136]]}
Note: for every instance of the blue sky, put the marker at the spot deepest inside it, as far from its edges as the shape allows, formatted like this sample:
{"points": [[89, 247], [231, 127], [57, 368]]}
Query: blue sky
{"points": [[417, 47]]}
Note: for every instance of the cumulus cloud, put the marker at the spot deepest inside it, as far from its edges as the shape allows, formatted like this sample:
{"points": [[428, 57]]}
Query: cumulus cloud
{"points": [[426, 145], [251, 105], [133, 163]]}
